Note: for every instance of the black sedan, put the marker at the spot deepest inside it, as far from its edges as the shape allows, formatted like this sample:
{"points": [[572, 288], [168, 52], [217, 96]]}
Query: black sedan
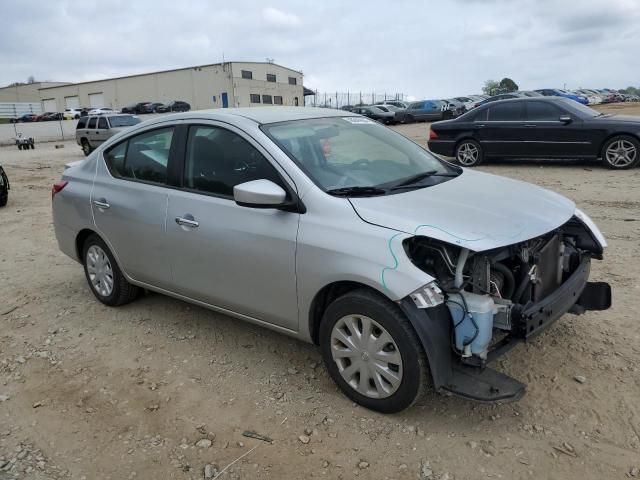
{"points": [[174, 106], [549, 127]]}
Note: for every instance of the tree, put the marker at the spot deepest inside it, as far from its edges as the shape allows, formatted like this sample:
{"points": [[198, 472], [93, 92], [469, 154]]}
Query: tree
{"points": [[507, 85], [31, 79], [490, 87]]}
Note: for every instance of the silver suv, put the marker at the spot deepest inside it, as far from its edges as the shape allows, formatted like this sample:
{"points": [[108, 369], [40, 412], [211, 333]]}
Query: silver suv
{"points": [[93, 130], [331, 228]]}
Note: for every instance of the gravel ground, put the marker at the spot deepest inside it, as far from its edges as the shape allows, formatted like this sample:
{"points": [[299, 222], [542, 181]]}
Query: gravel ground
{"points": [[163, 389]]}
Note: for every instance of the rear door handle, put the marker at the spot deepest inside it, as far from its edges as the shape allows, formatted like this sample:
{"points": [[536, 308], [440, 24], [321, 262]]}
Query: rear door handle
{"points": [[479, 125], [101, 203], [187, 222], [530, 125]]}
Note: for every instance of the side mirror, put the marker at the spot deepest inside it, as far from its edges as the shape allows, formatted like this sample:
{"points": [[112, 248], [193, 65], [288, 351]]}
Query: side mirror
{"points": [[566, 119], [259, 194]]}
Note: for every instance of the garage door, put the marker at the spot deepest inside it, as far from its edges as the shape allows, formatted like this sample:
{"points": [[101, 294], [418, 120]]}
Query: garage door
{"points": [[49, 105], [96, 100], [72, 102]]}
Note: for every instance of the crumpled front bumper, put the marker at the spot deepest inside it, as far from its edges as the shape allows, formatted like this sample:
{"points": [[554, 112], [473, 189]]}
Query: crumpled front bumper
{"points": [[486, 385]]}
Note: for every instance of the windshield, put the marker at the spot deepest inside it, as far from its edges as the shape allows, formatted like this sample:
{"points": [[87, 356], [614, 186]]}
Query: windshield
{"points": [[345, 152], [123, 121]]}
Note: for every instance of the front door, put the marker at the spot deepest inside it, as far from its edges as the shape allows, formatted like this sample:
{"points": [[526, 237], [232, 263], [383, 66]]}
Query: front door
{"points": [[225, 100], [237, 258], [547, 136], [129, 201], [102, 131]]}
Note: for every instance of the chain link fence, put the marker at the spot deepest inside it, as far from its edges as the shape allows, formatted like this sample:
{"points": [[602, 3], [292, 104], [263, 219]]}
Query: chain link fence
{"points": [[342, 99]]}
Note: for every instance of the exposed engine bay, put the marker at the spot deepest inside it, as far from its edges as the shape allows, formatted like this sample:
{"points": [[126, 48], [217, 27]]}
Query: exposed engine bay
{"points": [[502, 294]]}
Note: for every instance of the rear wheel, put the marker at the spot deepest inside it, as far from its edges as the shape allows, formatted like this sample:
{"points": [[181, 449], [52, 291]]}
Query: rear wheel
{"points": [[4, 188], [103, 274], [469, 153], [372, 352], [86, 148], [621, 152]]}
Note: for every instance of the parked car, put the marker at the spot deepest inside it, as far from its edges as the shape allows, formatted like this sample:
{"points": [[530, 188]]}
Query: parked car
{"points": [[52, 116], [347, 108], [4, 187], [468, 102], [138, 108], [592, 97], [174, 106], [393, 302], [102, 111], [529, 93], [455, 106], [375, 113], [425, 110], [155, 105], [94, 130], [25, 143], [550, 127], [556, 92], [387, 107], [502, 96], [395, 103], [71, 113], [26, 118]]}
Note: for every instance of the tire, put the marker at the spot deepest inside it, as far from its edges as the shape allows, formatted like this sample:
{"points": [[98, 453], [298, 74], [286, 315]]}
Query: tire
{"points": [[469, 153], [33, 146], [104, 265], [19, 146], [4, 196], [363, 307], [86, 148], [621, 152]]}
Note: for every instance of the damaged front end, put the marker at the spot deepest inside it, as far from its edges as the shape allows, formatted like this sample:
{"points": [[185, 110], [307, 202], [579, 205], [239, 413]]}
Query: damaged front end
{"points": [[484, 303]]}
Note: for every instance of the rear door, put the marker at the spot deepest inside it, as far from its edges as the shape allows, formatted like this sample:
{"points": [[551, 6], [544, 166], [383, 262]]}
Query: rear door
{"points": [[102, 130], [547, 136], [91, 131], [129, 202], [501, 135]]}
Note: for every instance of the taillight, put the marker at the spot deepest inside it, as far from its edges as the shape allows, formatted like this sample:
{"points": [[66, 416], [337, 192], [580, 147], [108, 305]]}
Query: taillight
{"points": [[57, 187], [432, 135]]}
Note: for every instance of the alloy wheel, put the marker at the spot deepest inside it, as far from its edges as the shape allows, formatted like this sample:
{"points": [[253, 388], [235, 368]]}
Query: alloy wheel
{"points": [[99, 270], [621, 153], [468, 154], [367, 356]]}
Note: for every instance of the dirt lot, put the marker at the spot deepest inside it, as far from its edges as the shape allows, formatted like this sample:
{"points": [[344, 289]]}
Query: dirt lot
{"points": [[160, 388]]}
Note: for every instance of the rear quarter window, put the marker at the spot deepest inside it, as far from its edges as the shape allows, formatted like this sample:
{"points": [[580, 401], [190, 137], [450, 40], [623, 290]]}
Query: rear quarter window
{"points": [[82, 123]]}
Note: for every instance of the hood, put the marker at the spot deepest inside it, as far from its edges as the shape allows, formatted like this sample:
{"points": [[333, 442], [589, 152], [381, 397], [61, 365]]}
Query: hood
{"points": [[620, 118], [475, 210]]}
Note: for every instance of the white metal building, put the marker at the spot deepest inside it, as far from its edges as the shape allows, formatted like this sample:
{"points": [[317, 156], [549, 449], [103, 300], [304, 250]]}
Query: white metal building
{"points": [[229, 84]]}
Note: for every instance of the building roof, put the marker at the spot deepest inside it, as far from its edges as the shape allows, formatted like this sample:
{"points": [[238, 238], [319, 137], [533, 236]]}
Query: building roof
{"points": [[168, 71]]}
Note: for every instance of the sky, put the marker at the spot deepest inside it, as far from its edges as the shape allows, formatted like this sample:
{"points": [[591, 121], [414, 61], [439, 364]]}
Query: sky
{"points": [[422, 49]]}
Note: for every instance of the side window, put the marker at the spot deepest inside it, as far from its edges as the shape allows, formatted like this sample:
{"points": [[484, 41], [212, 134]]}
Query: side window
{"points": [[247, 74], [143, 157], [542, 111], [218, 159], [506, 112], [480, 116], [277, 100], [267, 99], [102, 123], [92, 123], [255, 98], [82, 123], [271, 77], [293, 81]]}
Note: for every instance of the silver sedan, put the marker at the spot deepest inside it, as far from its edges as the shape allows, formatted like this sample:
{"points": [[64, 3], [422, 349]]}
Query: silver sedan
{"points": [[326, 226]]}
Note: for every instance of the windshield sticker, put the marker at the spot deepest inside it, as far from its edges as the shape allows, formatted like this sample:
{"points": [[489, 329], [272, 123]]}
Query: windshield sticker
{"points": [[358, 120]]}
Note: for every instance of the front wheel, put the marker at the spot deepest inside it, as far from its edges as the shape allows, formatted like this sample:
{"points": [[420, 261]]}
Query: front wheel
{"points": [[86, 148], [621, 152], [469, 153], [104, 276], [372, 352]]}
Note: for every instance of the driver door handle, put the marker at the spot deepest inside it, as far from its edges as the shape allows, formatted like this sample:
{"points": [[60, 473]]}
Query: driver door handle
{"points": [[530, 125], [187, 222], [101, 203]]}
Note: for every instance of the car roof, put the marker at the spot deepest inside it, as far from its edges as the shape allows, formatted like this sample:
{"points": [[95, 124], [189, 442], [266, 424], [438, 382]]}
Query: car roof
{"points": [[264, 115]]}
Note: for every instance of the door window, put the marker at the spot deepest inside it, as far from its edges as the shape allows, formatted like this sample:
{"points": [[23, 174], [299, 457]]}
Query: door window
{"points": [[92, 123], [506, 112], [542, 111], [142, 158], [102, 123], [218, 159]]}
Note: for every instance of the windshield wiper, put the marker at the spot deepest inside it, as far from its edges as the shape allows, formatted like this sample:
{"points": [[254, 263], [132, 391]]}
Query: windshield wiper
{"points": [[411, 181], [356, 191]]}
